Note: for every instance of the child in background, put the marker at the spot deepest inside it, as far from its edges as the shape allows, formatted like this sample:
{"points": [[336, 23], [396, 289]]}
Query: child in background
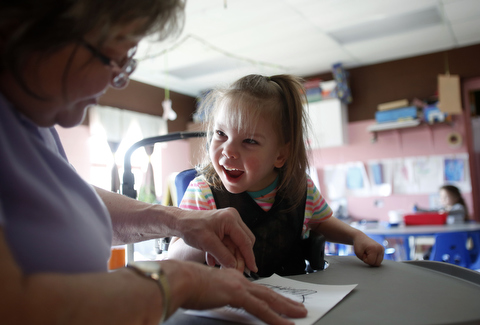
{"points": [[257, 163], [453, 203]]}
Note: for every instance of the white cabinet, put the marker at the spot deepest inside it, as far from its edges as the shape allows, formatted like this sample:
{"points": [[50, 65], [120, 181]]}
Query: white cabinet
{"points": [[328, 121]]}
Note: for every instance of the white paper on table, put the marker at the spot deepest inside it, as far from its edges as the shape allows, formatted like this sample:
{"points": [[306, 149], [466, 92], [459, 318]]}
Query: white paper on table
{"points": [[317, 298]]}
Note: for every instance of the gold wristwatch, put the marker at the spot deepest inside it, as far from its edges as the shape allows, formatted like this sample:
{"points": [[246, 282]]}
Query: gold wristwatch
{"points": [[153, 270]]}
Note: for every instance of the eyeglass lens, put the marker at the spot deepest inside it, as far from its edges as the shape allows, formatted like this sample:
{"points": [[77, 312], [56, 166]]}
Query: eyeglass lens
{"points": [[121, 78]]}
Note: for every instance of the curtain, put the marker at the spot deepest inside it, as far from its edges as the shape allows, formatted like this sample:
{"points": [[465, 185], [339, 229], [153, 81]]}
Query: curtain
{"points": [[147, 190], [120, 129]]}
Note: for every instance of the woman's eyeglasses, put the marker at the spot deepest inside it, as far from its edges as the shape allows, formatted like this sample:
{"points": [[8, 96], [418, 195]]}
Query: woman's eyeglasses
{"points": [[122, 71]]}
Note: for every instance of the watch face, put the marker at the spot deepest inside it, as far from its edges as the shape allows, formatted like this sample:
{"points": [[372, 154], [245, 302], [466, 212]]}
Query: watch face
{"points": [[147, 266]]}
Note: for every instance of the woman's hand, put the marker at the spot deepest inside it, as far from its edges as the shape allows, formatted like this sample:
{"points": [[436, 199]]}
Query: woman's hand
{"points": [[235, 252], [135, 221], [212, 230], [196, 286], [368, 250]]}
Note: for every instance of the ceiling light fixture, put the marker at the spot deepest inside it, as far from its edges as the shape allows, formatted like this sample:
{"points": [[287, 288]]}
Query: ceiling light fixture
{"points": [[388, 26]]}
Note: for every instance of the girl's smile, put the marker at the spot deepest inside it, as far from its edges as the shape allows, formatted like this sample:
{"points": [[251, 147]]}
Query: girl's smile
{"points": [[233, 172]]}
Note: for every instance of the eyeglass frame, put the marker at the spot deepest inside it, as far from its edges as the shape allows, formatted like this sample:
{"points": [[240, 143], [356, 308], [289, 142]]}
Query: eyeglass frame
{"points": [[123, 72]]}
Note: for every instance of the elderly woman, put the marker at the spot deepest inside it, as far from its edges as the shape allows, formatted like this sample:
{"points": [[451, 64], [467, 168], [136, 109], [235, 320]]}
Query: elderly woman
{"points": [[57, 58]]}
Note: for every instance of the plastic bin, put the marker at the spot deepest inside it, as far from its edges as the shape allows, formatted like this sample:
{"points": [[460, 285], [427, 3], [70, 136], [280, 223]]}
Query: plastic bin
{"points": [[425, 218]]}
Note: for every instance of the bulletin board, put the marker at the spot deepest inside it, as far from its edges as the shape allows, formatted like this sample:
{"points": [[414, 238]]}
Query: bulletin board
{"points": [[407, 175]]}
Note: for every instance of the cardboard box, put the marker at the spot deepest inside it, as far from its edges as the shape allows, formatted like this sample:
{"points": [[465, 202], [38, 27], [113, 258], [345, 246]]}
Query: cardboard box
{"points": [[392, 105]]}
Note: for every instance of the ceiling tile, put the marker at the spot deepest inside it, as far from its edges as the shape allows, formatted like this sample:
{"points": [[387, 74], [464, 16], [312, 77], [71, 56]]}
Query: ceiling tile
{"points": [[400, 46], [467, 32], [220, 44], [461, 10]]}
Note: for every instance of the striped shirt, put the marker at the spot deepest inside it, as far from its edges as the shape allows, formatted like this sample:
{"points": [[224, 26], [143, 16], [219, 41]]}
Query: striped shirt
{"points": [[198, 196]]}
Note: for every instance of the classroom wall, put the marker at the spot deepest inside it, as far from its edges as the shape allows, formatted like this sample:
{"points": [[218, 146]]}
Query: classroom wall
{"points": [[144, 98], [409, 78], [423, 140], [370, 85]]}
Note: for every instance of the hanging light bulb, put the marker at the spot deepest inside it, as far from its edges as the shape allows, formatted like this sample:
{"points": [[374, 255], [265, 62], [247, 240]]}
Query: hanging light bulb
{"points": [[168, 112]]}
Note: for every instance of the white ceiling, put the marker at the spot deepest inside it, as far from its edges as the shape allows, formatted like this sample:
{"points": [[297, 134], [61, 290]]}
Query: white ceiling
{"points": [[226, 39]]}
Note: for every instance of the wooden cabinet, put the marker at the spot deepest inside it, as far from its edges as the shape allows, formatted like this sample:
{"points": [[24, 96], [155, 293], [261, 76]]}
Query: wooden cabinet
{"points": [[328, 123]]}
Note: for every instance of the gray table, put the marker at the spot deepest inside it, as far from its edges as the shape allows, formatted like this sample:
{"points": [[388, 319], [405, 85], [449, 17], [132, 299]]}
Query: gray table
{"points": [[395, 293]]}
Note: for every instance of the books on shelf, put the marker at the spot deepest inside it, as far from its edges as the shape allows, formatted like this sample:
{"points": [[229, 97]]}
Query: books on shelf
{"points": [[398, 114], [316, 90], [312, 83], [313, 94], [392, 105], [312, 90]]}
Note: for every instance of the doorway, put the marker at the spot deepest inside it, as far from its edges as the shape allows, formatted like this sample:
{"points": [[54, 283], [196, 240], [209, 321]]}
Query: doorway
{"points": [[471, 95]]}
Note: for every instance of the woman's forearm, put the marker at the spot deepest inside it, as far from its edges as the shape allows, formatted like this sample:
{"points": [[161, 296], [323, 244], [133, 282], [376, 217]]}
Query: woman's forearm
{"points": [[135, 221], [205, 230]]}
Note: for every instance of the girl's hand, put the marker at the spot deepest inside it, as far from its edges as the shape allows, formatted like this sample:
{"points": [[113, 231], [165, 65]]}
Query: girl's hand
{"points": [[368, 250]]}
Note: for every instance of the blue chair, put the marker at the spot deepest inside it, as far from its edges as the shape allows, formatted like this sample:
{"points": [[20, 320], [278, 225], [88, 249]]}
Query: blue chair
{"points": [[475, 251], [451, 248], [182, 180]]}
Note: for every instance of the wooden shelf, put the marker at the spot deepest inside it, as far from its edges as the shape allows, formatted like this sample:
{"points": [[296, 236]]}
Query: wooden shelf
{"points": [[393, 125]]}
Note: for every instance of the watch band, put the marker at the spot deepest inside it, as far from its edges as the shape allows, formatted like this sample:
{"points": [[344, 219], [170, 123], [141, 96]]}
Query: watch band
{"points": [[153, 270]]}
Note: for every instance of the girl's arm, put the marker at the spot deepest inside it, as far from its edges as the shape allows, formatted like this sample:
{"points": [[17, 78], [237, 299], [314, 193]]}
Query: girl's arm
{"points": [[178, 250], [195, 198], [321, 220], [366, 249]]}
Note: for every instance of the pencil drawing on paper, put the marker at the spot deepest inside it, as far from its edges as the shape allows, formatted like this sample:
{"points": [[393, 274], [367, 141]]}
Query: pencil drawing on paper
{"points": [[292, 293]]}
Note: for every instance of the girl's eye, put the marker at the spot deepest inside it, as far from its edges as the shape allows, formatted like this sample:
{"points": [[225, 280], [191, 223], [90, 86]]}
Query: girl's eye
{"points": [[250, 141], [220, 133]]}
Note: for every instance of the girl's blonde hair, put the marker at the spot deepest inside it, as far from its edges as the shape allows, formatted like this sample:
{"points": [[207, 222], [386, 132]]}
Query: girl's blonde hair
{"points": [[280, 99]]}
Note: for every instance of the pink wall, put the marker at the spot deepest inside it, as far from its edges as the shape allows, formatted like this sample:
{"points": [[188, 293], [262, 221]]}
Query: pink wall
{"points": [[417, 141], [422, 140], [175, 157]]}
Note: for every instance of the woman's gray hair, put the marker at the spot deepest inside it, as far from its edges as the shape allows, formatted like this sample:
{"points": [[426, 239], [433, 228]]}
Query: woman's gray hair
{"points": [[44, 26]]}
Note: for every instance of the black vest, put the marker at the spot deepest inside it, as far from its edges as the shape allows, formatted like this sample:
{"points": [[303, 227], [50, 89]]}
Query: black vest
{"points": [[278, 246]]}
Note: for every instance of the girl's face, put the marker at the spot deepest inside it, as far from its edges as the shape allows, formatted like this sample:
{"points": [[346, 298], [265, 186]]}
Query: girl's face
{"points": [[70, 80], [246, 160], [446, 198]]}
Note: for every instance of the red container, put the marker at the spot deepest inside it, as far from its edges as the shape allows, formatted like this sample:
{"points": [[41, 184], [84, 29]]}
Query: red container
{"points": [[425, 218]]}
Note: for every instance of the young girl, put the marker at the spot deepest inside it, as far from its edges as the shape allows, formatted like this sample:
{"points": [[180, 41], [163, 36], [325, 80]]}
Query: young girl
{"points": [[453, 203], [256, 163]]}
